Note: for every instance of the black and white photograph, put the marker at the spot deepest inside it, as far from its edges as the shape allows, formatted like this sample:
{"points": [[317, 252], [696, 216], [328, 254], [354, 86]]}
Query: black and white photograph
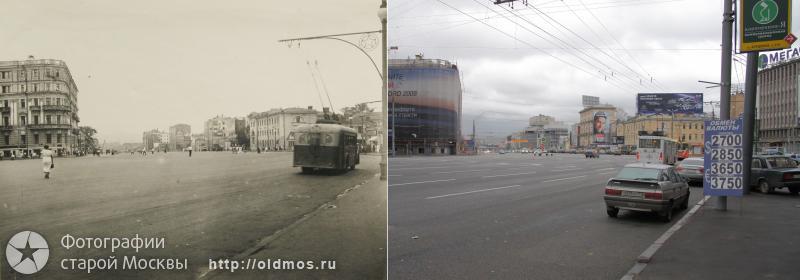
{"points": [[193, 140]]}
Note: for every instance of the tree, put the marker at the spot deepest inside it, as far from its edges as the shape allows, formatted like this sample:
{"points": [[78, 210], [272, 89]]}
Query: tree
{"points": [[348, 112], [86, 140]]}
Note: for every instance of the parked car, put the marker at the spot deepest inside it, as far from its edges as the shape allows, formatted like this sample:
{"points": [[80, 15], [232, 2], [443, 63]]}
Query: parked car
{"points": [[771, 172], [691, 169], [591, 154], [647, 187]]}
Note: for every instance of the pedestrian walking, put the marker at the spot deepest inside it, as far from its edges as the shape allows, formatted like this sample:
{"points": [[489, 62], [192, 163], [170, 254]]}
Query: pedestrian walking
{"points": [[190, 151], [47, 161]]}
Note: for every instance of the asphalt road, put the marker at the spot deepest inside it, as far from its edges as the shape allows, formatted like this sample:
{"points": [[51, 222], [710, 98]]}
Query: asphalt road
{"points": [[512, 217], [212, 205]]}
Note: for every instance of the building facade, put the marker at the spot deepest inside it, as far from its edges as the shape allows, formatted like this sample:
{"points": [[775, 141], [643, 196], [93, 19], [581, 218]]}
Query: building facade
{"points": [[425, 97], [272, 130], [38, 106], [778, 107], [545, 132], [687, 130], [154, 140], [180, 137], [594, 127], [220, 133]]}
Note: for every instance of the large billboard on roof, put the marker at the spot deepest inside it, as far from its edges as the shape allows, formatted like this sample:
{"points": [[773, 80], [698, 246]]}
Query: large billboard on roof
{"points": [[669, 103]]}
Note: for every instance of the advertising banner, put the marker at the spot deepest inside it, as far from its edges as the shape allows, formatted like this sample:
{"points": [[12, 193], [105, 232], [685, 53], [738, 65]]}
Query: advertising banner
{"points": [[669, 103], [765, 25], [424, 103], [600, 127]]}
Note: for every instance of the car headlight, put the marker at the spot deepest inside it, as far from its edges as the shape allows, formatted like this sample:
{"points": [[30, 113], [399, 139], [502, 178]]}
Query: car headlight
{"points": [[328, 139]]}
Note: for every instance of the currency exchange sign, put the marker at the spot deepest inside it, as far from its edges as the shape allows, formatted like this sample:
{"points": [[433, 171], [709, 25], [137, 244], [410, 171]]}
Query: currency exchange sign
{"points": [[765, 25], [724, 158]]}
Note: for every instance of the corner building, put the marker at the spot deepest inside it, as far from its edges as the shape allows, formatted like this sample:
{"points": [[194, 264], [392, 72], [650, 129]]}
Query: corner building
{"points": [[38, 106]]}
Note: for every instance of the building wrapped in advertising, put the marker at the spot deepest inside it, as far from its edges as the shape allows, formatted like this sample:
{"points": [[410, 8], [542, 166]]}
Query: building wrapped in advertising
{"points": [[424, 107]]}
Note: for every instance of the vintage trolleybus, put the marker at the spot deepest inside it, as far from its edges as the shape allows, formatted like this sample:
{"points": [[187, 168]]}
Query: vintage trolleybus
{"points": [[325, 145]]}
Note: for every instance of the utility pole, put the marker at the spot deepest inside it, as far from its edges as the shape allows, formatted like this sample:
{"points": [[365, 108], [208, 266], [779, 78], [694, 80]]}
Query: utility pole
{"points": [[725, 80], [748, 116], [385, 74]]}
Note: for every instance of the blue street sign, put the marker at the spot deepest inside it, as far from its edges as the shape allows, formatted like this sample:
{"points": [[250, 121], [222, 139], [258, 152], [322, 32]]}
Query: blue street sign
{"points": [[723, 160]]}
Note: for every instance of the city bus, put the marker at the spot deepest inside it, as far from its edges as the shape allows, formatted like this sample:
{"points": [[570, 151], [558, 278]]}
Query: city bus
{"points": [[656, 149], [325, 145]]}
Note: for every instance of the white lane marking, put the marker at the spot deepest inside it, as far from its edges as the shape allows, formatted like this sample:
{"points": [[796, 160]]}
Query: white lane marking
{"points": [[410, 168], [610, 168], [492, 176], [603, 173], [412, 183], [395, 175], [569, 169], [553, 180], [469, 192], [647, 255], [460, 171]]}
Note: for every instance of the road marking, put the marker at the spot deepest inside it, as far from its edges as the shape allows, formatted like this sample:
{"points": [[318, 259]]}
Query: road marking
{"points": [[647, 255], [410, 168], [603, 173], [461, 171], [475, 191], [492, 176], [412, 183], [561, 179], [569, 169], [610, 168]]}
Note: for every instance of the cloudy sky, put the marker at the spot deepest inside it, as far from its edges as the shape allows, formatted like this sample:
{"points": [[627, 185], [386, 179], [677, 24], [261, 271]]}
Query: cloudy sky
{"points": [[507, 80], [150, 64]]}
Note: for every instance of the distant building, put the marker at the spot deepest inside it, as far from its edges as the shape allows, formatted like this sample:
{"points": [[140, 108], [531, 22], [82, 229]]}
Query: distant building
{"points": [[545, 131], [369, 126], [38, 106], [272, 130], [180, 137], [687, 130], [594, 128], [199, 142], [154, 139], [220, 133]]}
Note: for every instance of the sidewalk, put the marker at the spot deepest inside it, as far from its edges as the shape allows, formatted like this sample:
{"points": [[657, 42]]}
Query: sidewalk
{"points": [[757, 238], [350, 230]]}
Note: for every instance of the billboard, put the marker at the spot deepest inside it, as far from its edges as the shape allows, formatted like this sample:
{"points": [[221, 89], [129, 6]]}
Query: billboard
{"points": [[588, 100], [669, 103], [600, 127]]}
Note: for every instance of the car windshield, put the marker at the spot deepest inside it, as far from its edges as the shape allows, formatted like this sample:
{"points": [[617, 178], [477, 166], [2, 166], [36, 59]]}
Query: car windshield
{"points": [[781, 162], [638, 173], [650, 143]]}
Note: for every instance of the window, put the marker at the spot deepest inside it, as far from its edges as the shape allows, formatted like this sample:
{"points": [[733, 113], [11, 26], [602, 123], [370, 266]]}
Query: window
{"points": [[47, 121], [297, 119], [35, 73], [24, 139], [5, 121], [22, 88], [48, 138], [5, 74], [58, 119], [36, 119], [58, 138], [36, 139], [756, 163], [22, 103], [5, 138], [58, 87], [6, 89], [22, 120]]}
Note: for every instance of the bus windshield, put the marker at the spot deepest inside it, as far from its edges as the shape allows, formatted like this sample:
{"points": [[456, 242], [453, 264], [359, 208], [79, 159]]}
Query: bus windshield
{"points": [[650, 143]]}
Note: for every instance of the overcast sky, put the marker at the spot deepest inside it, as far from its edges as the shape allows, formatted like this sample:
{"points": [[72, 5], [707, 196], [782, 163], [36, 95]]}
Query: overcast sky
{"points": [[150, 64], [674, 42]]}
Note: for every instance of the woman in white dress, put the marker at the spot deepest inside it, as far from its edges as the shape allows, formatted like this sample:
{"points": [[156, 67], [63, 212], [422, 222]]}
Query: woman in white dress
{"points": [[47, 161]]}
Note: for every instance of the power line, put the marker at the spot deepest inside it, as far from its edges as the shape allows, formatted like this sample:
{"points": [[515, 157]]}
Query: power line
{"points": [[316, 86]]}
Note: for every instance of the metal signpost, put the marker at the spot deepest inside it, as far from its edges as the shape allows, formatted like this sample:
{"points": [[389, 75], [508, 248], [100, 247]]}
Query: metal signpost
{"points": [[724, 158]]}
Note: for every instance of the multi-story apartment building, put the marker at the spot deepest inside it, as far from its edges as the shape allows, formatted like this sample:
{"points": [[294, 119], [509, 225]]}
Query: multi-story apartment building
{"points": [[38, 106], [272, 130], [685, 129], [220, 133]]}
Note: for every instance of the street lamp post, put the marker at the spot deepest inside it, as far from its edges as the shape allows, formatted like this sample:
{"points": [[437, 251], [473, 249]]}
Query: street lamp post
{"points": [[384, 157]]}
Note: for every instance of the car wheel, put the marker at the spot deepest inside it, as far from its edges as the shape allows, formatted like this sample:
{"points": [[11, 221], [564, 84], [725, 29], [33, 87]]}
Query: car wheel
{"points": [[764, 187], [612, 211], [794, 190], [685, 203], [306, 170], [666, 216]]}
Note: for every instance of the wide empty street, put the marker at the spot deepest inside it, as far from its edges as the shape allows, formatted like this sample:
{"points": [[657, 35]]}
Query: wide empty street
{"points": [[212, 205], [511, 216]]}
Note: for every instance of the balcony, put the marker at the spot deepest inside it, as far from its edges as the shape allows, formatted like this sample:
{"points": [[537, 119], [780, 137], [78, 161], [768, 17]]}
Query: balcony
{"points": [[6, 128], [49, 126], [62, 108], [5, 109]]}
